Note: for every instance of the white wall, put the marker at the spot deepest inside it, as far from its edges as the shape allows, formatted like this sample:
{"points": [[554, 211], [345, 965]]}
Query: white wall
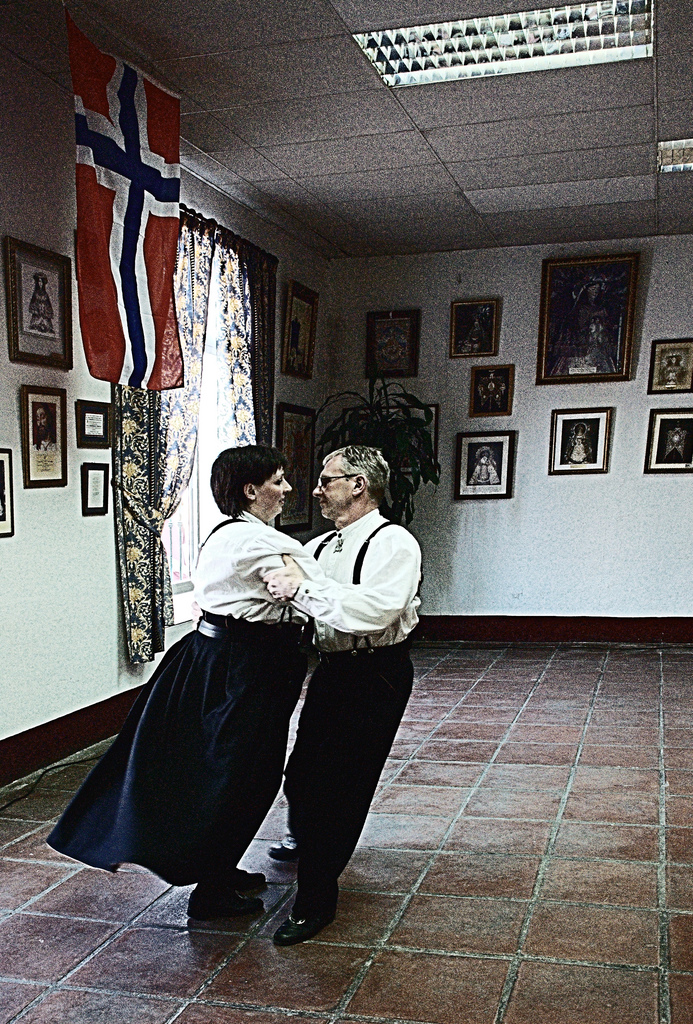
{"points": [[617, 544], [61, 646]]}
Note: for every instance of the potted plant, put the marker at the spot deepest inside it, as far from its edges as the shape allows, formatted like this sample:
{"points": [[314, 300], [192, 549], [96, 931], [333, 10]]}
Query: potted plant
{"points": [[396, 422]]}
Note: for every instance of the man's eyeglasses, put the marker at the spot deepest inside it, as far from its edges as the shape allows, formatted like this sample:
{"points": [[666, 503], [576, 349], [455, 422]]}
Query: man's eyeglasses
{"points": [[325, 481]]}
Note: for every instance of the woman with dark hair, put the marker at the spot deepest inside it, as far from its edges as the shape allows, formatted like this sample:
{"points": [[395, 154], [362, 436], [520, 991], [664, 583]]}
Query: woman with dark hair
{"points": [[186, 784]]}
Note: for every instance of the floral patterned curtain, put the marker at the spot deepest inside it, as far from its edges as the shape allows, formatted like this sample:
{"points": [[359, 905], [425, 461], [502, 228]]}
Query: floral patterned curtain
{"points": [[261, 270]]}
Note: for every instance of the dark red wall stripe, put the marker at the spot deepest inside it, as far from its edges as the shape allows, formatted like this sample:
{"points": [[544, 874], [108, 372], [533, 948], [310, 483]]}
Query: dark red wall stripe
{"points": [[555, 629]]}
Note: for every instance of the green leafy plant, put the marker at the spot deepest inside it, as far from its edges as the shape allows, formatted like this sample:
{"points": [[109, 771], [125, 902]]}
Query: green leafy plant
{"points": [[396, 422]]}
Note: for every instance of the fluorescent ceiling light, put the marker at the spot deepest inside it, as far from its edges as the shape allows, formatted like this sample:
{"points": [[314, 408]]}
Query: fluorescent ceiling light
{"points": [[554, 37], [675, 156]]}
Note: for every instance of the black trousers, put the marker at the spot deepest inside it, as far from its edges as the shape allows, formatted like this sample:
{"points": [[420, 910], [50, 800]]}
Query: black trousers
{"points": [[350, 717]]}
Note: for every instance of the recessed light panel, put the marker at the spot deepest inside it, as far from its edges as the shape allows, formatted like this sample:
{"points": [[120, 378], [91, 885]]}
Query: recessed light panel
{"points": [[554, 37], [675, 156]]}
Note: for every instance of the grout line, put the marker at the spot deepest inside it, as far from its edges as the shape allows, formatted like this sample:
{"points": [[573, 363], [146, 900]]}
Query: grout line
{"points": [[664, 1002]]}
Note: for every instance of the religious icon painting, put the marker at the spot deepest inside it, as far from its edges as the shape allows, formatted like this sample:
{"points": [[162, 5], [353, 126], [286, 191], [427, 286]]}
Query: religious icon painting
{"points": [[296, 438], [670, 441], [671, 366], [586, 319], [300, 321], [44, 436], [6, 497], [392, 343], [484, 465], [491, 390], [580, 441], [474, 327], [39, 305]]}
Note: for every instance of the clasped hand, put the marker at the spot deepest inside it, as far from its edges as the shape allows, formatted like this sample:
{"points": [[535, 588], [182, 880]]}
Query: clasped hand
{"points": [[283, 583]]}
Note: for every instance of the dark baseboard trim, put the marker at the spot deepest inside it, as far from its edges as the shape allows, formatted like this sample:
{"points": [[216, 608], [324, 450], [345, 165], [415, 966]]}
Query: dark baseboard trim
{"points": [[28, 751], [555, 629]]}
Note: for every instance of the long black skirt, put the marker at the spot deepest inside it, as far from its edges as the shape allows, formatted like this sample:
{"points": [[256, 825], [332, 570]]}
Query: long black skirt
{"points": [[187, 782]]}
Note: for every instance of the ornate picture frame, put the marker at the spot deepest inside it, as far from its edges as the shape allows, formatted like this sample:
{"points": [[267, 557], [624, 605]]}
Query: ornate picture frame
{"points": [[44, 436], [94, 487], [39, 305], [670, 441], [586, 319], [296, 438], [491, 390], [580, 441], [474, 327], [485, 465], [93, 424], [392, 343], [671, 367], [6, 494], [300, 321]]}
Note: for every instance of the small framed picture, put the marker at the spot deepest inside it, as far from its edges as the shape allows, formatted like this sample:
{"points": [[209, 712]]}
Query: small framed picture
{"points": [[392, 343], [670, 441], [296, 438], [93, 424], [94, 488], [485, 465], [474, 327], [6, 494], [44, 436], [586, 319], [300, 320], [491, 390], [39, 305], [580, 441], [671, 366]]}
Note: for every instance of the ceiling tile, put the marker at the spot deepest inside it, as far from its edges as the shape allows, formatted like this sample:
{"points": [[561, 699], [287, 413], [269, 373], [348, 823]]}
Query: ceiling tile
{"points": [[675, 202], [502, 97], [544, 134], [206, 132], [358, 153], [382, 184], [446, 213], [585, 223], [675, 96], [247, 163], [673, 19], [562, 194], [629, 161], [361, 15]]}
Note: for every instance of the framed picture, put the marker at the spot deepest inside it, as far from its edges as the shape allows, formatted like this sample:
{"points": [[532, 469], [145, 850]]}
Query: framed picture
{"points": [[93, 424], [485, 464], [580, 441], [474, 327], [670, 441], [296, 438], [671, 366], [44, 436], [392, 343], [39, 305], [586, 319], [491, 390], [94, 488], [299, 331], [6, 494]]}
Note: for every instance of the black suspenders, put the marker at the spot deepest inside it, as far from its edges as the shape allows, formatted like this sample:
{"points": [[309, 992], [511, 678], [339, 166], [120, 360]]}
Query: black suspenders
{"points": [[226, 522], [358, 564]]}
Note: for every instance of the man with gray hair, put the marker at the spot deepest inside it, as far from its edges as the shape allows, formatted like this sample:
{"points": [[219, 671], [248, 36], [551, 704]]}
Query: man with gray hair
{"points": [[358, 692]]}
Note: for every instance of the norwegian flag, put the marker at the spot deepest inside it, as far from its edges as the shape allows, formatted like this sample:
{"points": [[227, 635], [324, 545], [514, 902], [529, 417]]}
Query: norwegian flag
{"points": [[128, 189]]}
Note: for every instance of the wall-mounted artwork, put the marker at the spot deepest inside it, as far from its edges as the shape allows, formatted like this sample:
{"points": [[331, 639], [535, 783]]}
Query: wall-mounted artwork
{"points": [[44, 436], [94, 481], [586, 319], [474, 327], [6, 494], [670, 441], [39, 305], [296, 438], [671, 366], [392, 343], [485, 464], [491, 390], [580, 441], [93, 424], [300, 320]]}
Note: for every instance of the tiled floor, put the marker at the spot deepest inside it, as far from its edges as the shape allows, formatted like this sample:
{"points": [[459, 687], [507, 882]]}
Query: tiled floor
{"points": [[528, 860]]}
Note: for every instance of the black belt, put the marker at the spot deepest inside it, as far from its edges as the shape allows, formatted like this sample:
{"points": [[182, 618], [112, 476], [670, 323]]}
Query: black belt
{"points": [[391, 651], [224, 627]]}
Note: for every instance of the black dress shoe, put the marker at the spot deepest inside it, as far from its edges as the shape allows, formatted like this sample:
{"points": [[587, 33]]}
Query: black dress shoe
{"points": [[285, 853], [207, 904], [247, 881], [299, 929]]}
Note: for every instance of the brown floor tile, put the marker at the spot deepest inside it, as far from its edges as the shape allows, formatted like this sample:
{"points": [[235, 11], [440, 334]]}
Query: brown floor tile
{"points": [[470, 731], [390, 769], [537, 753], [489, 716], [257, 858], [631, 736], [535, 715], [470, 874], [92, 1008], [171, 911], [680, 845], [14, 998], [608, 806], [678, 757], [678, 719], [560, 994], [503, 803], [403, 831], [680, 887], [361, 918], [102, 895], [34, 847], [528, 777], [598, 934], [201, 1013], [414, 730], [498, 835], [678, 737], [681, 997], [681, 942], [403, 749], [160, 961], [592, 779], [305, 977], [457, 750], [429, 773], [425, 712], [523, 733], [274, 825], [45, 948], [443, 985], [460, 924], [38, 807], [680, 810], [11, 830], [396, 799], [621, 842], [679, 783], [19, 881], [624, 884], [619, 756], [383, 870]]}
